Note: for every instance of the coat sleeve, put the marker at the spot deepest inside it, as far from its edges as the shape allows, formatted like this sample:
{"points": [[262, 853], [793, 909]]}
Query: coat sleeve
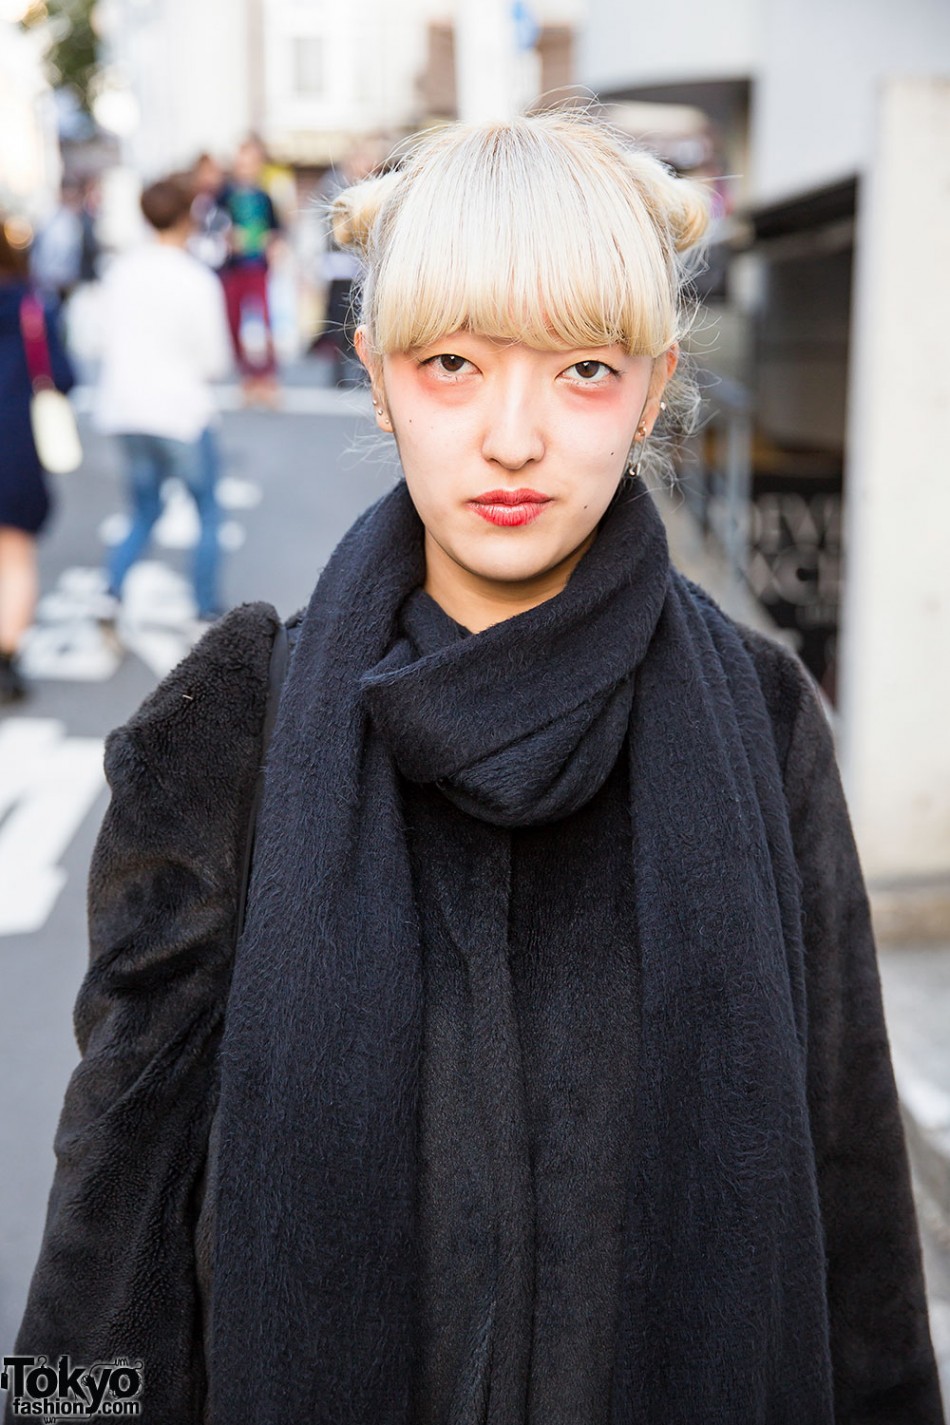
{"points": [[882, 1356], [116, 1271]]}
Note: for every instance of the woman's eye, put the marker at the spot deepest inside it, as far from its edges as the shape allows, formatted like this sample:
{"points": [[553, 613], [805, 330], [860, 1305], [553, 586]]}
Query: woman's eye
{"points": [[591, 373], [448, 363]]}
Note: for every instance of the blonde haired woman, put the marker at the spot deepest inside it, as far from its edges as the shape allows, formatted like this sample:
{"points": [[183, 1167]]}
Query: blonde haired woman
{"points": [[549, 1081]]}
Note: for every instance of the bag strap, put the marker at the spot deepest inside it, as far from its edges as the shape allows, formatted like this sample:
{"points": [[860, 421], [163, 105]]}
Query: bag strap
{"points": [[277, 672], [36, 343]]}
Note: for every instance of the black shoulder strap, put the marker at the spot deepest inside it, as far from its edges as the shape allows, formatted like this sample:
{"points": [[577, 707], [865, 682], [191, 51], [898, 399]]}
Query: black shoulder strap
{"points": [[279, 659]]}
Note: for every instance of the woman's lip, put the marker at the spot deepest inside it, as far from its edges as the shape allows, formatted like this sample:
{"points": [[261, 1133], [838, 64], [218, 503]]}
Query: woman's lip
{"points": [[509, 514], [511, 497]]}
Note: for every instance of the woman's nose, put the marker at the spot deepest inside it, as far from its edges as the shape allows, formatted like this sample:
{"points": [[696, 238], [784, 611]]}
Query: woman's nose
{"points": [[514, 434]]}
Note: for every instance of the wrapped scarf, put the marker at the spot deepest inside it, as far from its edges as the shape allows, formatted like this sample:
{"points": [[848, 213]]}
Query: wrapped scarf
{"points": [[722, 1316]]}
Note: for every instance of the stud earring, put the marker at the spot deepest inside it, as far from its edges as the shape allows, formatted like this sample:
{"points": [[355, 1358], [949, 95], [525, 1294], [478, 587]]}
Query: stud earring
{"points": [[662, 405]]}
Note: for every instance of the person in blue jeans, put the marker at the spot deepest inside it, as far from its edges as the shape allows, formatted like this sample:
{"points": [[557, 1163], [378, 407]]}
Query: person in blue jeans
{"points": [[150, 461], [165, 341]]}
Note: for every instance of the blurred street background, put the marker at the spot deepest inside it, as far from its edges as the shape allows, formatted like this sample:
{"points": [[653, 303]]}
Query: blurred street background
{"points": [[814, 503]]}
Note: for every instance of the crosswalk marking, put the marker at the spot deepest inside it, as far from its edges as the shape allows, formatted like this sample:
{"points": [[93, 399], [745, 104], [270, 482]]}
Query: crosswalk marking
{"points": [[177, 526], [156, 623], [48, 783]]}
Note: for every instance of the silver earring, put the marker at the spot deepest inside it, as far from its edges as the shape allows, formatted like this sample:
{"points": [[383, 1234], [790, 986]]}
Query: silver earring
{"points": [[633, 466]]}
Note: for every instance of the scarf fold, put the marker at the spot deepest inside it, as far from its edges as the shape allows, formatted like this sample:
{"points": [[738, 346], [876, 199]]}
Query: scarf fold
{"points": [[722, 1311]]}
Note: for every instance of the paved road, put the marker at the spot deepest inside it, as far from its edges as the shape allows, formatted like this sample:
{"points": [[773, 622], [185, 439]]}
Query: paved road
{"points": [[296, 481]]}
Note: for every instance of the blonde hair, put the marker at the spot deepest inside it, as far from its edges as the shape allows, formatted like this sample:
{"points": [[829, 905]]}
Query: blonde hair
{"points": [[545, 229]]}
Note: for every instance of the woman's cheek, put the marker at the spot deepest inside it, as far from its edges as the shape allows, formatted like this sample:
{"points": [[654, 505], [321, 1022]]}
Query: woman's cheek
{"points": [[598, 444], [604, 411], [441, 391]]}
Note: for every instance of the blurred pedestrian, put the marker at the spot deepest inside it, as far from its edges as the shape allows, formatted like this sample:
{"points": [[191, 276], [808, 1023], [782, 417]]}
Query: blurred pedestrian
{"points": [[211, 223], [546, 1079], [24, 493], [65, 251], [254, 227], [342, 269], [164, 340]]}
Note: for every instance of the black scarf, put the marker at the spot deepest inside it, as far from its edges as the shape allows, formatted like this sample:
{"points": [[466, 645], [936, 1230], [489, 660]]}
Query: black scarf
{"points": [[723, 1315]]}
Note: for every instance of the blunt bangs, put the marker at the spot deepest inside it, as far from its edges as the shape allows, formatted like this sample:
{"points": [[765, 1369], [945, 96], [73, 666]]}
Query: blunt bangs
{"points": [[534, 231]]}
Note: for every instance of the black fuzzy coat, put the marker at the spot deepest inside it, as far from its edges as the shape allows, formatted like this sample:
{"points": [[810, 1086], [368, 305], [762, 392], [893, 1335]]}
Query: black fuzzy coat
{"points": [[123, 1255]]}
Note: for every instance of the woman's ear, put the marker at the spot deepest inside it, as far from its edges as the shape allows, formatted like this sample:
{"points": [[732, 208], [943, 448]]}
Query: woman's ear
{"points": [[362, 349], [664, 369], [374, 370]]}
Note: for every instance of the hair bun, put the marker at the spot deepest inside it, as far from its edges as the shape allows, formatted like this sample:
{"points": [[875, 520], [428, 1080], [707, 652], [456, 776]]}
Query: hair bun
{"points": [[681, 204], [354, 211], [688, 214]]}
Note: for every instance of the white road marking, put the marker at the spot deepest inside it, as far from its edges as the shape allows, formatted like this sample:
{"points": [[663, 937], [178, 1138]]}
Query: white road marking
{"points": [[73, 651], [294, 400], [157, 609], [155, 622], [177, 526], [306, 401], [236, 494], [48, 783], [66, 642]]}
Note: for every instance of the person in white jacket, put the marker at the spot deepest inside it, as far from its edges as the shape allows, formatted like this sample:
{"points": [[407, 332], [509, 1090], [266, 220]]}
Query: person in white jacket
{"points": [[164, 340]]}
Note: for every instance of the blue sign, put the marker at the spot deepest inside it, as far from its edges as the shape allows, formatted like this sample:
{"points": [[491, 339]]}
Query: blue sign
{"points": [[527, 29]]}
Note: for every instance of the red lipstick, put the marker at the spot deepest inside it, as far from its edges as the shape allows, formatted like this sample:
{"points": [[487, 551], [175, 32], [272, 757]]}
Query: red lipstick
{"points": [[509, 507]]}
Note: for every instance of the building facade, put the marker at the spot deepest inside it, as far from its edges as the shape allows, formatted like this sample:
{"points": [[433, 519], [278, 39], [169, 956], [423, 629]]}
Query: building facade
{"points": [[29, 159], [310, 76], [829, 122]]}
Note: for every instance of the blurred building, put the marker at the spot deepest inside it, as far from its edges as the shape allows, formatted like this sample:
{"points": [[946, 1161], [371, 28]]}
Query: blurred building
{"points": [[310, 76], [29, 159], [826, 129], [175, 79]]}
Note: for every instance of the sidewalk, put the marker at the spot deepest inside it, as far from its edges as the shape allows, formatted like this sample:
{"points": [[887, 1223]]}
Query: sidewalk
{"points": [[916, 981], [916, 984]]}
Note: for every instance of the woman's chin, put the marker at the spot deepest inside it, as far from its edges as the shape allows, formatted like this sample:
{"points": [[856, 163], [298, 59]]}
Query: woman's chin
{"points": [[515, 568], [530, 559]]}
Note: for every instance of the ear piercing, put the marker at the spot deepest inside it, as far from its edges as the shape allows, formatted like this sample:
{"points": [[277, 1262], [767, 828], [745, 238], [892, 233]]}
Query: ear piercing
{"points": [[633, 466]]}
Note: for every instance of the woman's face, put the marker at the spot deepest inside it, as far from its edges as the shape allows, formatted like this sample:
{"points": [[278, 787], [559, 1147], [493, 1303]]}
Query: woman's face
{"points": [[511, 455]]}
